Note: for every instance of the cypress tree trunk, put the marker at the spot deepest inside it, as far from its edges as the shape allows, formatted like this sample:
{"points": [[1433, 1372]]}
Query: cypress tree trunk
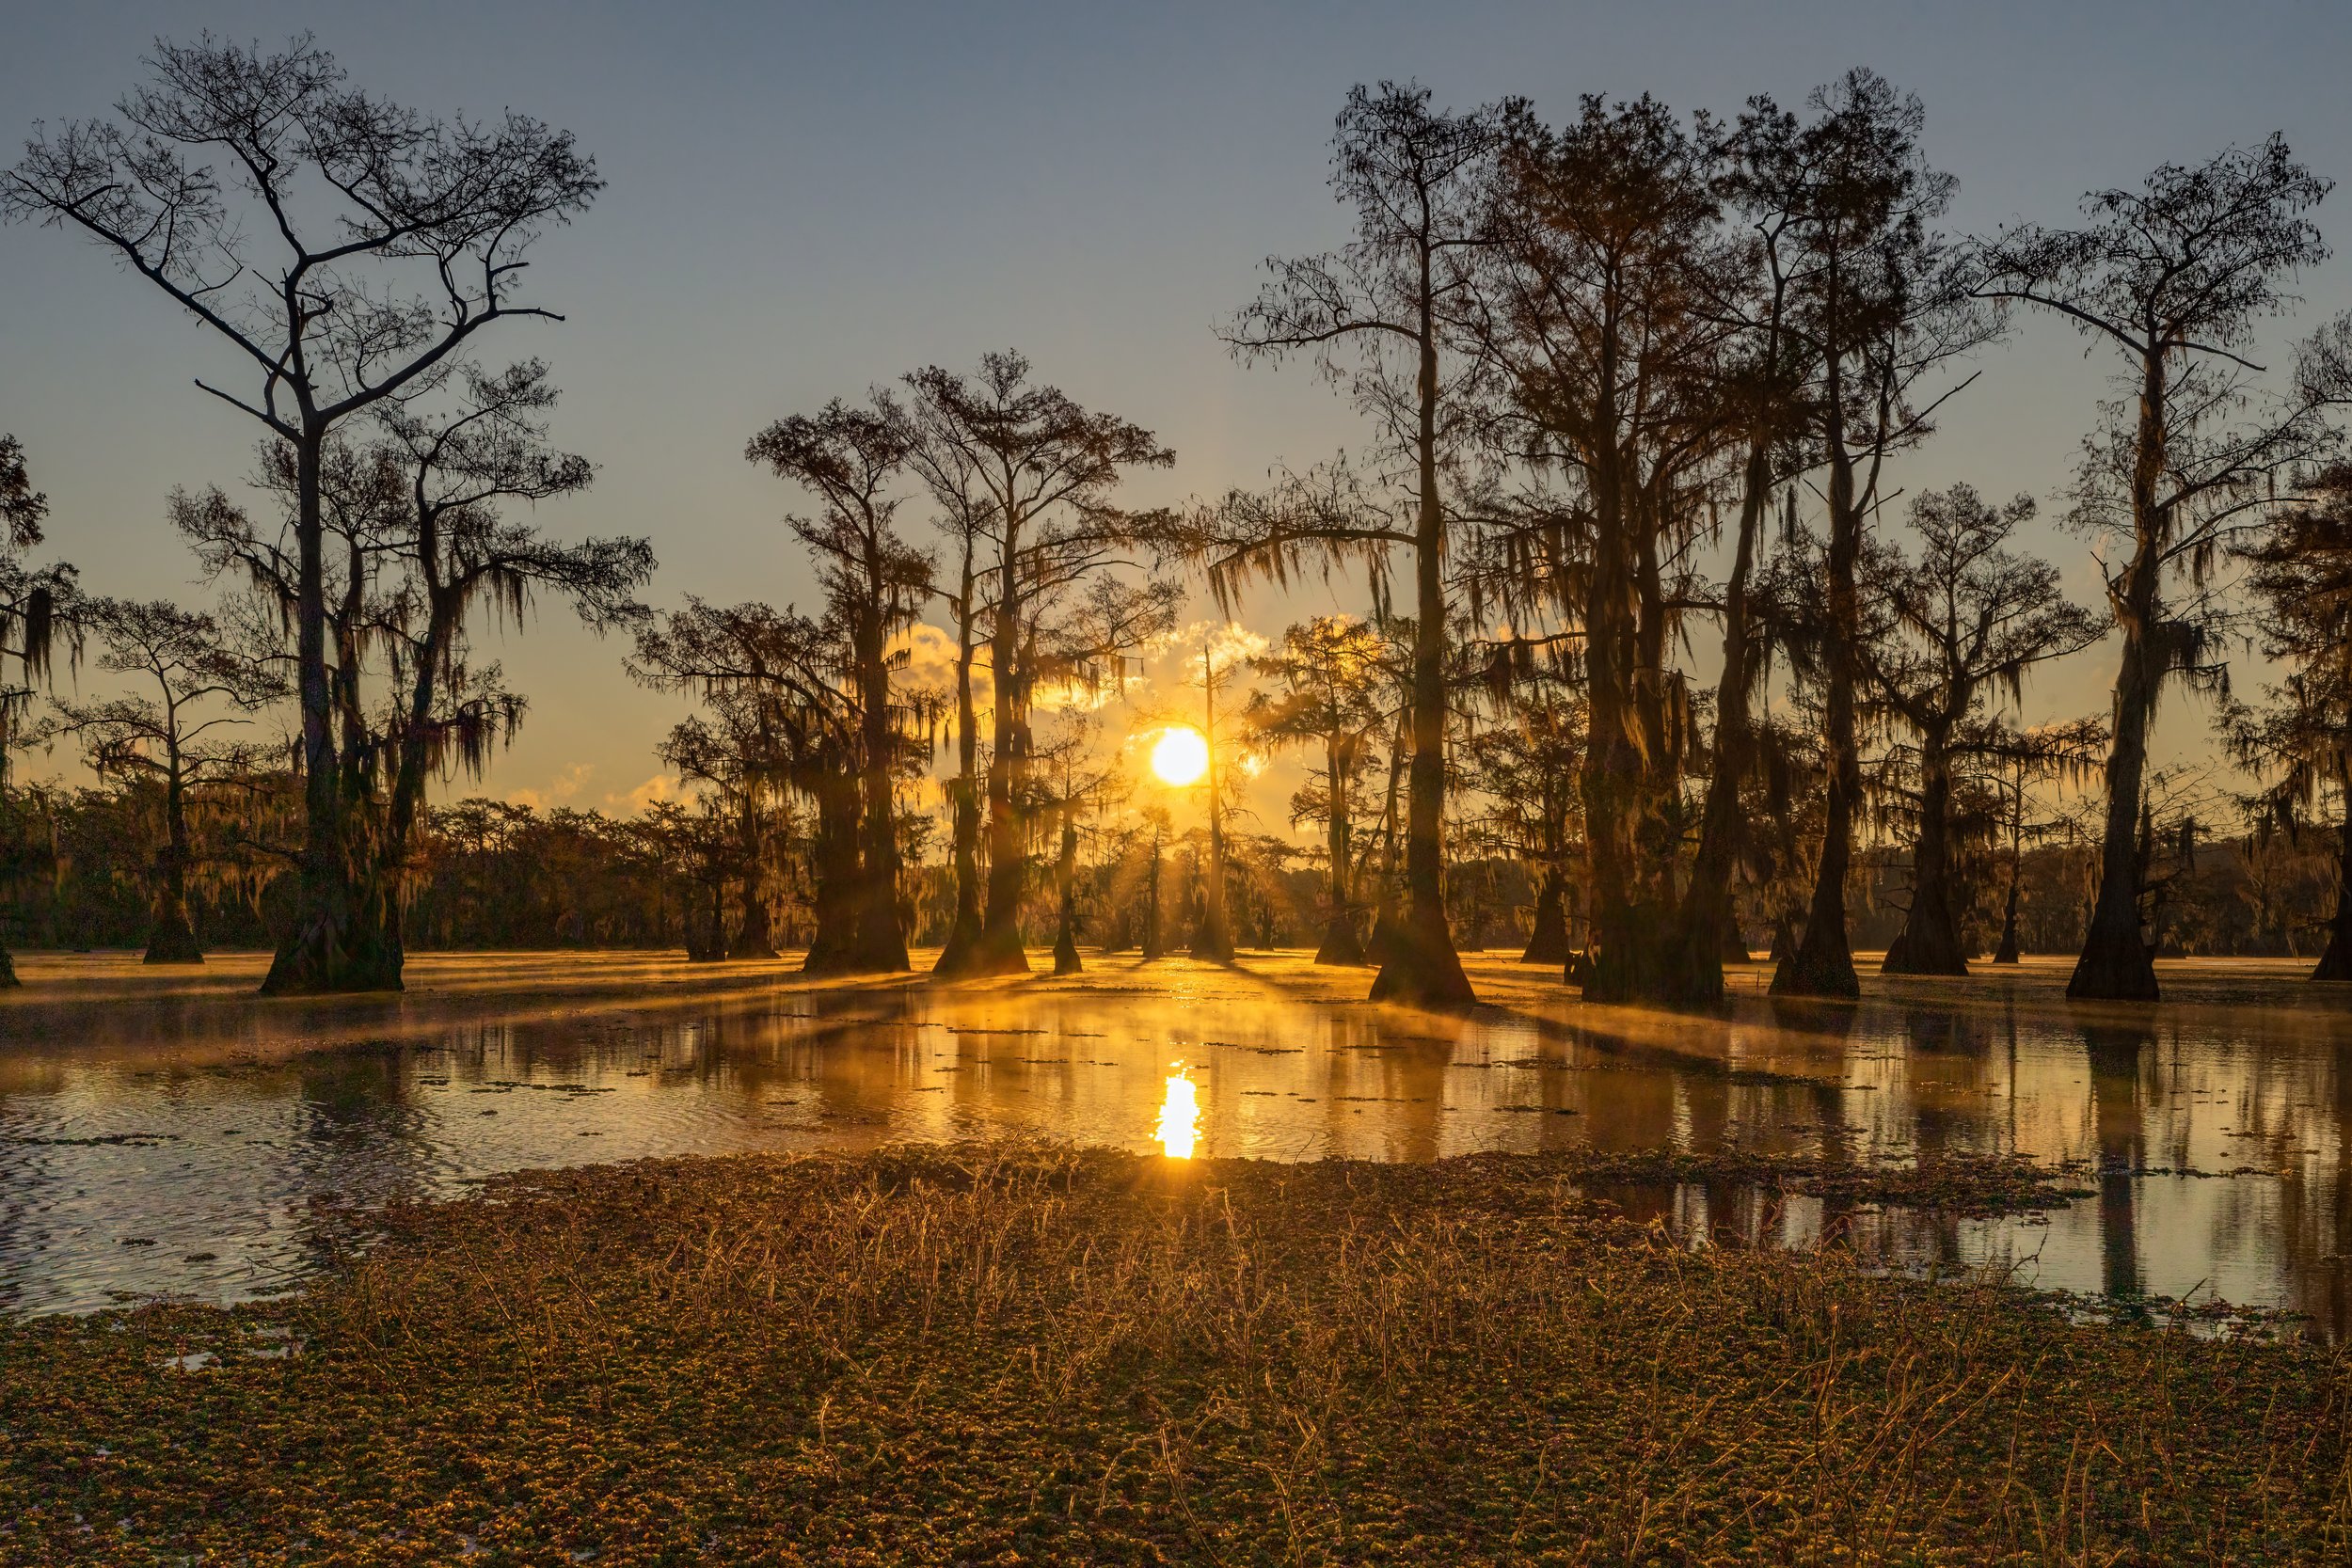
{"points": [[1213, 939], [879, 942], [1548, 941], [709, 946], [1152, 946], [2118, 963], [1066, 876], [1383, 938], [999, 949], [340, 941], [1340, 946], [172, 938], [1930, 942], [1823, 964], [1735, 942], [2007, 951], [2335, 962], [1421, 966], [1709, 928], [754, 935], [963, 930], [841, 885]]}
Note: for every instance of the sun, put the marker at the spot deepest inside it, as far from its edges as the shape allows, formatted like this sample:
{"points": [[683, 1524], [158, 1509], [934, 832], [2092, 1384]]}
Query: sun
{"points": [[1180, 756]]}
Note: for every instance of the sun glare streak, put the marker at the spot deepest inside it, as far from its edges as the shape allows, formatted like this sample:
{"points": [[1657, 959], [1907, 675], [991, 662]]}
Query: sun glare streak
{"points": [[1180, 1116], [1180, 756]]}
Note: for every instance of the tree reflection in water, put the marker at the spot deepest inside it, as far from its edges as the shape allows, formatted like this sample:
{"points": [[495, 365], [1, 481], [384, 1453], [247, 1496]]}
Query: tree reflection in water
{"points": [[182, 1112]]}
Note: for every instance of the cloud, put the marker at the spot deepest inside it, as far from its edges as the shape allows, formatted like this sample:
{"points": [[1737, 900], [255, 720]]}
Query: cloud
{"points": [[931, 665], [661, 787], [563, 787]]}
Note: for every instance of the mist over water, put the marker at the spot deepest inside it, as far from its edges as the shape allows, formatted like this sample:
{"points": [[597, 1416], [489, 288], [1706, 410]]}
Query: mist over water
{"points": [[176, 1136]]}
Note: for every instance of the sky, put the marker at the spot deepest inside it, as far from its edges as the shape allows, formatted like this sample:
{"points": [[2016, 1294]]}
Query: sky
{"points": [[807, 200]]}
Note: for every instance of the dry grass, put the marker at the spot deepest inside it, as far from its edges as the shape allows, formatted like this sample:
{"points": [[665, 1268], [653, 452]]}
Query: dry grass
{"points": [[1026, 1355]]}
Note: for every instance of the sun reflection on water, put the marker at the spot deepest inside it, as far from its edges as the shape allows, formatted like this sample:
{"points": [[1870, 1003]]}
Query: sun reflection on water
{"points": [[1180, 1116]]}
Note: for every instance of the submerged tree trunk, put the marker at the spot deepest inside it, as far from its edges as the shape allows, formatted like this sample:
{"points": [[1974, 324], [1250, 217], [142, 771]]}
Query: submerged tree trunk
{"points": [[1548, 939], [172, 939], [2118, 962], [1154, 948], [1823, 964], [1066, 879], [1421, 966], [998, 949], [1340, 946], [754, 935], [841, 886], [878, 944], [2335, 963], [1930, 942], [345, 936]]}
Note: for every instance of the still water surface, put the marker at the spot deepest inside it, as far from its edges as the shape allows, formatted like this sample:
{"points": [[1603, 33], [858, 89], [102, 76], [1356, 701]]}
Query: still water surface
{"points": [[172, 1135]]}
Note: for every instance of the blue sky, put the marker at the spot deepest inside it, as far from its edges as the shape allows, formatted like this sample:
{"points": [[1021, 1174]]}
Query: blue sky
{"points": [[804, 200]]}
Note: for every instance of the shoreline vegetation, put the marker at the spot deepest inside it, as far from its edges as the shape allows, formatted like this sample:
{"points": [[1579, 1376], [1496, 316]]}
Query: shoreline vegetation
{"points": [[1014, 1353]]}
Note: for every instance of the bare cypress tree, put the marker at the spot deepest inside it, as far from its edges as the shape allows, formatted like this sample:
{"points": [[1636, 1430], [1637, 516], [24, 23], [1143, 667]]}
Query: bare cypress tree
{"points": [[2170, 278], [1880, 301], [457, 554], [1329, 695], [1530, 763], [173, 737], [779, 722], [1971, 619], [1045, 469], [1376, 315], [1598, 307], [350, 247], [963, 517], [853, 458]]}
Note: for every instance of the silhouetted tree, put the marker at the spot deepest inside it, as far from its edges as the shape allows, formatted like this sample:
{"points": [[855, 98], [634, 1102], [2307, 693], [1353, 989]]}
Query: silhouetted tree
{"points": [[1971, 619], [457, 554], [396, 239], [1598, 307], [2172, 279], [779, 721], [2301, 737], [36, 608], [1879, 302], [172, 737], [1331, 694], [1530, 763], [1045, 469], [876, 584], [1377, 315]]}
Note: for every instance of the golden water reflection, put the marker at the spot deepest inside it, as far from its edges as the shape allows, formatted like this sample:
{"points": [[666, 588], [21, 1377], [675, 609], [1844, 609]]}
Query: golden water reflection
{"points": [[172, 1133], [1180, 1116]]}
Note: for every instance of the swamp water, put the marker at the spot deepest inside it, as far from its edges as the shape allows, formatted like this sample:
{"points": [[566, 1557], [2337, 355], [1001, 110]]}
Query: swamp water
{"points": [[171, 1135]]}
